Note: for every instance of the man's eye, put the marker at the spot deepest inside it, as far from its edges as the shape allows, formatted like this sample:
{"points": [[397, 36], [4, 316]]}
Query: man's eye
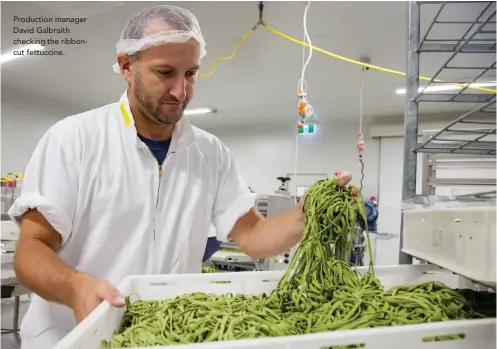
{"points": [[191, 73], [165, 72]]}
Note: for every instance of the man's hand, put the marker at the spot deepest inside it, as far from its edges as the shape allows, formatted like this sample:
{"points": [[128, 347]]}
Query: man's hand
{"points": [[39, 268], [344, 179], [90, 292], [260, 238]]}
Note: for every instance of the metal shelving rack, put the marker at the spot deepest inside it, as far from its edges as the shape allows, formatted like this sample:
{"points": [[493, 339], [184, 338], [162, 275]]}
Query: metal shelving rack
{"points": [[471, 134]]}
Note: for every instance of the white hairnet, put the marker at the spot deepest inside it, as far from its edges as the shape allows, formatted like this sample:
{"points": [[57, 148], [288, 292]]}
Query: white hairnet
{"points": [[177, 25]]}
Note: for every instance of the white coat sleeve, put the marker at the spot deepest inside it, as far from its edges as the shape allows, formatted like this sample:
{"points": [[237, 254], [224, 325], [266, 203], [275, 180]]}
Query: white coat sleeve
{"points": [[233, 199], [50, 185]]}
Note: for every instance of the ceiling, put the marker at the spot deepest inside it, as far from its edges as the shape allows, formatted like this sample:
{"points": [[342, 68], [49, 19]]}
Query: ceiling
{"points": [[259, 84]]}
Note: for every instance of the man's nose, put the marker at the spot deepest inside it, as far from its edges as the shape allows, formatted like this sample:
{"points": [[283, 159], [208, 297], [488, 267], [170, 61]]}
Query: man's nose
{"points": [[178, 90]]}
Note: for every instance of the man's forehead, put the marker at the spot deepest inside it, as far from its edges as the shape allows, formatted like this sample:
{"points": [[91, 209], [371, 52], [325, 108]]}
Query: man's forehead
{"points": [[185, 55]]}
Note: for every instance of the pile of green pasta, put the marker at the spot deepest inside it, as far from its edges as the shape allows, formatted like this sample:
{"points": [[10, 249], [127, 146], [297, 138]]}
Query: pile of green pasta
{"points": [[209, 270], [319, 292]]}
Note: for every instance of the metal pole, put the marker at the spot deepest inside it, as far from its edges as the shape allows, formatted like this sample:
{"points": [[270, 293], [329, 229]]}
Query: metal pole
{"points": [[411, 113], [15, 327]]}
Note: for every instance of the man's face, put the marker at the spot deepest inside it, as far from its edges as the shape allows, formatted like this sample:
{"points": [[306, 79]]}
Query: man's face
{"points": [[163, 80]]}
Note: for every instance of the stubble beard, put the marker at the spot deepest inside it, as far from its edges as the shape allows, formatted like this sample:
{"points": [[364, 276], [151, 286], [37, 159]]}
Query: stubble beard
{"points": [[153, 112]]}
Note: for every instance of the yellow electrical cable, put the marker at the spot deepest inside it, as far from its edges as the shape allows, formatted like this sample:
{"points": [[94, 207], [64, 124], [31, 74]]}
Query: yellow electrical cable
{"points": [[330, 54], [365, 65], [235, 48], [12, 177], [345, 59]]}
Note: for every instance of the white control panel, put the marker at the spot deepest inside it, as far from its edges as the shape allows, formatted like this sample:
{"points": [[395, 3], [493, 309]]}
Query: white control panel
{"points": [[10, 230], [278, 204], [280, 262]]}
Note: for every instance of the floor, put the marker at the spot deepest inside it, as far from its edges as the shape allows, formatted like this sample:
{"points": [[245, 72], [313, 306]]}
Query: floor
{"points": [[12, 340]]}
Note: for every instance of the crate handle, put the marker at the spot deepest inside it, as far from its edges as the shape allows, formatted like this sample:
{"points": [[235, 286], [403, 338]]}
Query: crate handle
{"points": [[348, 345], [450, 337], [159, 284]]}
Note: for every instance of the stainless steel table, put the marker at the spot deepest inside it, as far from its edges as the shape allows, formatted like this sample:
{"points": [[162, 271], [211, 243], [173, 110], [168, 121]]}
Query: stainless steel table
{"points": [[15, 289]]}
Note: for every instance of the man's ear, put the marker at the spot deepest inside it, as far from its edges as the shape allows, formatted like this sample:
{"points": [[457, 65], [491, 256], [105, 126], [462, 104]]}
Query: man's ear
{"points": [[125, 63]]}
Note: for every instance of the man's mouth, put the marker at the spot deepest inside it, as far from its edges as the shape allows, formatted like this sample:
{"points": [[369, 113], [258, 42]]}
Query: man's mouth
{"points": [[173, 105]]}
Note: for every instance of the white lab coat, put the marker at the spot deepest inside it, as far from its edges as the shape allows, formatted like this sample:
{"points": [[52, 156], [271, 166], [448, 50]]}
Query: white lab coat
{"points": [[99, 186], [212, 232]]}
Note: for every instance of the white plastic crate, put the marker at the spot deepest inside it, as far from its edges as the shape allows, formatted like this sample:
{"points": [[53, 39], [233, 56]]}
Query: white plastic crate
{"points": [[105, 319], [459, 239]]}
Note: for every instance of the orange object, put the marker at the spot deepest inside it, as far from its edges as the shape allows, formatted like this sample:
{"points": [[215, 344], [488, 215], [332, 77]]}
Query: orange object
{"points": [[360, 142], [302, 105]]}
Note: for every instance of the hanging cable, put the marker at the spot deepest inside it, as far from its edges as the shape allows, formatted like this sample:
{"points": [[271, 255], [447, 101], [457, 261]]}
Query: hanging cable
{"points": [[297, 136], [307, 40], [303, 53], [360, 134], [361, 105], [295, 165], [243, 38], [305, 109]]}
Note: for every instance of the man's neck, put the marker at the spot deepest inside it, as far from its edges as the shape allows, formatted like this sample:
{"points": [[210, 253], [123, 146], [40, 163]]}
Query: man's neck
{"points": [[145, 127]]}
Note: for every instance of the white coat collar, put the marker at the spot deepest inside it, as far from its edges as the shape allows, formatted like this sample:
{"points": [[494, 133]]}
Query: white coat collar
{"points": [[183, 133]]}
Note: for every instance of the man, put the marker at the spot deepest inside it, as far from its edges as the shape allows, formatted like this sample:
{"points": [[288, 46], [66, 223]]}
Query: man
{"points": [[132, 187]]}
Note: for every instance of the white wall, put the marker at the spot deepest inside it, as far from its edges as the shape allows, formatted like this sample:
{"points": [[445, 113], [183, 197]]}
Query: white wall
{"points": [[266, 152], [25, 118], [389, 200]]}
